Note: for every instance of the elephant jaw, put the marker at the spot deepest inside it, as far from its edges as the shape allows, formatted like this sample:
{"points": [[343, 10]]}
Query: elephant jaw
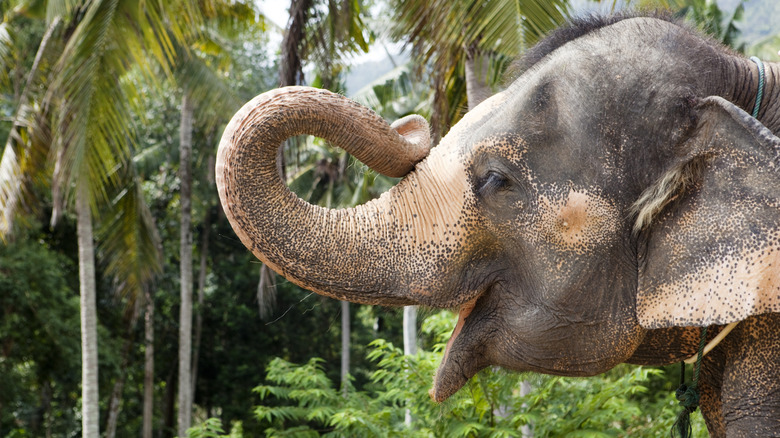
{"points": [[462, 359]]}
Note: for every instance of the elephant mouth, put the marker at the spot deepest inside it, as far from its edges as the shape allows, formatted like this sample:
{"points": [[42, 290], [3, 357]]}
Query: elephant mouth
{"points": [[463, 357], [463, 313]]}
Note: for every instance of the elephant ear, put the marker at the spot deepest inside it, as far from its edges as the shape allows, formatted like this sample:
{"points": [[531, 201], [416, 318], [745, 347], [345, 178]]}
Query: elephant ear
{"points": [[710, 226]]}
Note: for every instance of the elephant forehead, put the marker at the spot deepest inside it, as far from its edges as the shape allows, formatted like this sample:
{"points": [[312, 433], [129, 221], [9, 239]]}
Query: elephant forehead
{"points": [[473, 120], [575, 220], [510, 146]]}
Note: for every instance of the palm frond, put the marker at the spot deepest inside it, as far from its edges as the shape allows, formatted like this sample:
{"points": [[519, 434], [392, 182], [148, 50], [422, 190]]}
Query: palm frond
{"points": [[205, 85], [232, 19], [88, 99], [112, 38], [129, 244], [6, 52], [392, 95], [440, 33], [57, 9], [22, 157]]}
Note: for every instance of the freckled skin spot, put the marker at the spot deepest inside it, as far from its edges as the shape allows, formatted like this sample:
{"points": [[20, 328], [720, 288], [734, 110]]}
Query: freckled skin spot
{"points": [[736, 286], [578, 222]]}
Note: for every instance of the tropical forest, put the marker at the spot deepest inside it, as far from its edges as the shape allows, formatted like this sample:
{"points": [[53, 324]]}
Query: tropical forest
{"points": [[128, 305]]}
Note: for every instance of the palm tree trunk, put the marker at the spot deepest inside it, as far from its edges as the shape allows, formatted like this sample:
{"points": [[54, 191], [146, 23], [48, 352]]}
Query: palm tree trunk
{"points": [[148, 366], [345, 335], [115, 403], [410, 343], [169, 406], [291, 64], [410, 330], [204, 253], [526, 430], [89, 348], [266, 292], [185, 260], [45, 408]]}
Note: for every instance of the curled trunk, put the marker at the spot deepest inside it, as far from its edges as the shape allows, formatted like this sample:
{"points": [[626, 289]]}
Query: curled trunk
{"points": [[386, 251]]}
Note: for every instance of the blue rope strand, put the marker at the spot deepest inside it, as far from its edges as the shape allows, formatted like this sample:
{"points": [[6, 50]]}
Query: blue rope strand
{"points": [[760, 93]]}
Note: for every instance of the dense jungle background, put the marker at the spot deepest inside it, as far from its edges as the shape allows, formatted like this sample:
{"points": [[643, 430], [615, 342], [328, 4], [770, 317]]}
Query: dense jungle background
{"points": [[127, 305]]}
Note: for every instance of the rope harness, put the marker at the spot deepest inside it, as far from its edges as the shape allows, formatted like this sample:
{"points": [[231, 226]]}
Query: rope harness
{"points": [[687, 393], [760, 93]]}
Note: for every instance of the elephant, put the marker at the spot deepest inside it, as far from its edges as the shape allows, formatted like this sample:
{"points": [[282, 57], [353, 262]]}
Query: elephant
{"points": [[611, 202]]}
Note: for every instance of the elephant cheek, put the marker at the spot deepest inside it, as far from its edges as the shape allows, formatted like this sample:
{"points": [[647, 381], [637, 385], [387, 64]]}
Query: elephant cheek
{"points": [[576, 221]]}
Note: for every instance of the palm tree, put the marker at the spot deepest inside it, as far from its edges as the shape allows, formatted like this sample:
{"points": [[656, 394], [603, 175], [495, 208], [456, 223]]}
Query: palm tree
{"points": [[185, 264], [463, 46], [85, 113], [148, 402], [197, 74]]}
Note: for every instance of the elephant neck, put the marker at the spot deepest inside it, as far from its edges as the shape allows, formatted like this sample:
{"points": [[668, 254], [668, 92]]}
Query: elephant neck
{"points": [[743, 75]]}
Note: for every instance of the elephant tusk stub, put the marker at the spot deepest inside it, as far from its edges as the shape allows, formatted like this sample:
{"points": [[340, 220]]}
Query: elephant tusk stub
{"points": [[713, 343]]}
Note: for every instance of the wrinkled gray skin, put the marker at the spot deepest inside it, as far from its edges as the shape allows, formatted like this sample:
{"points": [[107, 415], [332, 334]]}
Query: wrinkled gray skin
{"points": [[610, 202]]}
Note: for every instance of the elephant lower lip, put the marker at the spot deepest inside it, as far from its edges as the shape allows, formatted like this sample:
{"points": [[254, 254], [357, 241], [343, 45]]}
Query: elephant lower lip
{"points": [[441, 392]]}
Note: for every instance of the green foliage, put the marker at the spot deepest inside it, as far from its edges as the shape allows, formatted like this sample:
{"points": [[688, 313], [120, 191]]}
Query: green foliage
{"points": [[301, 401], [212, 428], [39, 340], [710, 19]]}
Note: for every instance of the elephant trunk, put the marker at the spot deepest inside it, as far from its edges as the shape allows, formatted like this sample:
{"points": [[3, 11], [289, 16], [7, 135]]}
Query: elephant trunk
{"points": [[370, 254]]}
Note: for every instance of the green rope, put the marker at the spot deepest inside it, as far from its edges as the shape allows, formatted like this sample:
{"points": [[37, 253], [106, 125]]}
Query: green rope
{"points": [[688, 395], [760, 93]]}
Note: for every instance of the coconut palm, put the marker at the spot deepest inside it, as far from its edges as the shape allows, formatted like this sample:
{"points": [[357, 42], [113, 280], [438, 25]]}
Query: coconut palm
{"points": [[81, 123], [202, 86], [462, 47]]}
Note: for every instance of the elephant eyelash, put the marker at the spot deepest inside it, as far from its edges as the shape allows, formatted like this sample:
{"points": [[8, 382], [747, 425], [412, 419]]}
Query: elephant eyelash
{"points": [[492, 182]]}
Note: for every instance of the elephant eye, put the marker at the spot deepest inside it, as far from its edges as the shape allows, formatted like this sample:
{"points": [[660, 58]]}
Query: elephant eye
{"points": [[492, 182]]}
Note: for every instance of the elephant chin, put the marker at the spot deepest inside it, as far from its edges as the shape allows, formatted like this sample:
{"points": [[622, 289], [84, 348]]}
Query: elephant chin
{"points": [[463, 358]]}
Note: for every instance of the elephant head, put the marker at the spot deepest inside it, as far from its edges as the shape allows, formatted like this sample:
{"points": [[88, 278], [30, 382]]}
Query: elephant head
{"points": [[615, 187]]}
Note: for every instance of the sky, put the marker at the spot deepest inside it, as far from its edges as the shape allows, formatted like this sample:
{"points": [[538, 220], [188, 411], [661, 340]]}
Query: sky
{"points": [[277, 12]]}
